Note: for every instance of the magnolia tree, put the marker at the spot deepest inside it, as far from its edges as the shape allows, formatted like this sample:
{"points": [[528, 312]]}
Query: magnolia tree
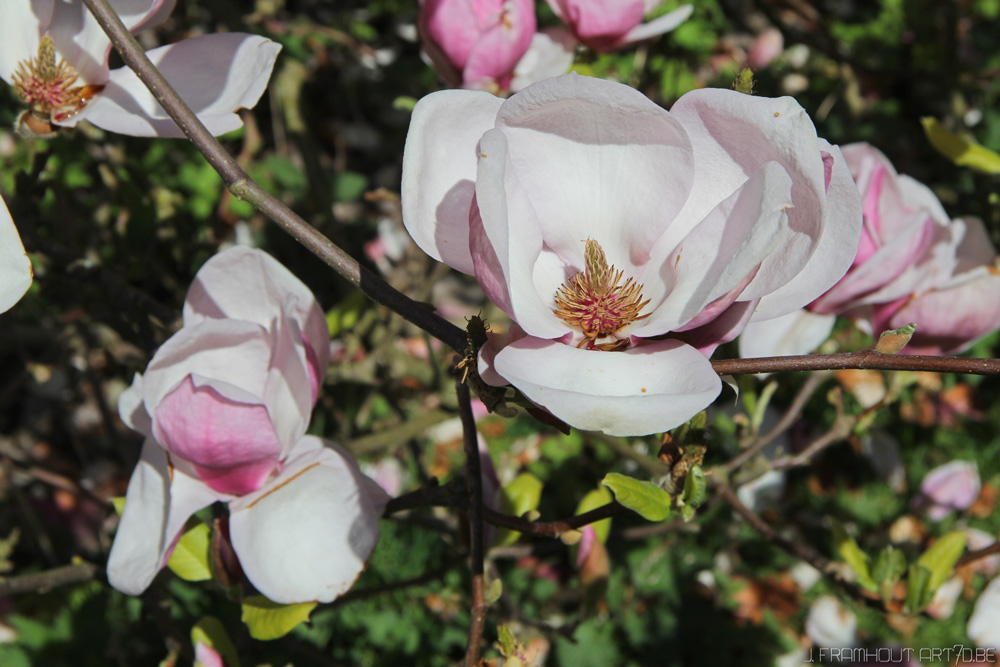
{"points": [[621, 253]]}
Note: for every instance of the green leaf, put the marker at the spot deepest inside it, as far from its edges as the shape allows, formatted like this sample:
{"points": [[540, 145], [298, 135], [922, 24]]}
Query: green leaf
{"points": [[346, 314], [519, 497], [508, 644], [119, 504], [960, 149], [695, 492], [939, 560], [597, 498], [889, 567], [916, 587], [210, 631], [853, 555], [268, 620], [189, 561], [893, 341], [645, 498], [494, 591]]}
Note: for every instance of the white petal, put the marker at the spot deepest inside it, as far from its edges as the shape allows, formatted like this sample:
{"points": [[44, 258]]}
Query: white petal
{"points": [[216, 75], [657, 26], [439, 171], [132, 410], [21, 26], [550, 54], [15, 267], [798, 332], [248, 284], [307, 534], [158, 503], [646, 389], [984, 624]]}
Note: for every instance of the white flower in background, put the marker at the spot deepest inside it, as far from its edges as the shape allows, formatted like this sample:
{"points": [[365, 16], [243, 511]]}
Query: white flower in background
{"points": [[15, 267], [831, 624], [984, 624], [55, 55]]}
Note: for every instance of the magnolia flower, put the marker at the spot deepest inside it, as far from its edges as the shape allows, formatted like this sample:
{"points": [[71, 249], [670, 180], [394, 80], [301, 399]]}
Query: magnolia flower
{"points": [[913, 264], [224, 406], [56, 56], [476, 43], [626, 242], [608, 25], [15, 267], [949, 487]]}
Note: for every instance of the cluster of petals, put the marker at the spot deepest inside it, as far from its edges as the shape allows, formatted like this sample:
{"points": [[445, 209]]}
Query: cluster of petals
{"points": [[725, 208], [609, 25], [15, 267], [913, 264], [216, 74], [224, 405]]}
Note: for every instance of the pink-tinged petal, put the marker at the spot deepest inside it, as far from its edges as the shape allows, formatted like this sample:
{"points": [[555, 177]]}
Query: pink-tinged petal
{"points": [[600, 24], [247, 284], [307, 534], [658, 26], [952, 486], [501, 44], [15, 267], [159, 500], [489, 272], [719, 254], [141, 19], [550, 54], [723, 328], [798, 332], [452, 26], [984, 624], [216, 74], [22, 25], [206, 656], [595, 159], [439, 171], [833, 251], [488, 353], [232, 445], [645, 389]]}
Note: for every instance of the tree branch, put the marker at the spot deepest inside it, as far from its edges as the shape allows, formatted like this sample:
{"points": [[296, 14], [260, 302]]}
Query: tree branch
{"points": [[39, 582], [866, 359], [552, 528], [245, 188], [474, 475]]}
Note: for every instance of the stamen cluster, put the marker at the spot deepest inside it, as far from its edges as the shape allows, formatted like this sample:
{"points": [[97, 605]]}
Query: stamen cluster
{"points": [[47, 83], [598, 302]]}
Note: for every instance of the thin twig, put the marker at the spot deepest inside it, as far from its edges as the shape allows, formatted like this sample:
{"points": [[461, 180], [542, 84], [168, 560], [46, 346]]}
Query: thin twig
{"points": [[978, 554], [552, 528], [474, 475], [39, 582], [389, 587], [246, 189], [840, 430], [428, 496], [866, 359], [808, 388]]}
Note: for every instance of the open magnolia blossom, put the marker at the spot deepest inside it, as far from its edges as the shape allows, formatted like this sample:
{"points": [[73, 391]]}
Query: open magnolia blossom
{"points": [[608, 25], [476, 43], [55, 55], [913, 264], [224, 405], [15, 267], [625, 241]]}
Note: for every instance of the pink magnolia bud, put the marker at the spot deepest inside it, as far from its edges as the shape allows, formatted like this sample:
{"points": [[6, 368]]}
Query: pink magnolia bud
{"points": [[608, 25], [476, 43], [768, 46], [952, 486]]}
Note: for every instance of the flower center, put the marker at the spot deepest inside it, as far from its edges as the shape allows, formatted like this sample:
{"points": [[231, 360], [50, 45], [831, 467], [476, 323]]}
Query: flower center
{"points": [[597, 302], [47, 84]]}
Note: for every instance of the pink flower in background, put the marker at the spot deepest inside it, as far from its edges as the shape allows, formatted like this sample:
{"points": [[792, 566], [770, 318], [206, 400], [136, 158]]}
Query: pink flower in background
{"points": [[913, 264], [15, 267], [949, 487], [608, 25], [224, 406], [767, 46], [601, 223], [476, 43], [56, 56]]}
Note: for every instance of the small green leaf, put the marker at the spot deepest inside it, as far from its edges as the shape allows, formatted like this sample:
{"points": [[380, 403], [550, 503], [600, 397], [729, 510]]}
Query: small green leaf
{"points": [[960, 149], [519, 497], [853, 555], [404, 103], [210, 631], [939, 560], [189, 561], [508, 644], [597, 498], [268, 620], [893, 342], [916, 587], [695, 492], [645, 498], [889, 567], [346, 314], [494, 591], [119, 504]]}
